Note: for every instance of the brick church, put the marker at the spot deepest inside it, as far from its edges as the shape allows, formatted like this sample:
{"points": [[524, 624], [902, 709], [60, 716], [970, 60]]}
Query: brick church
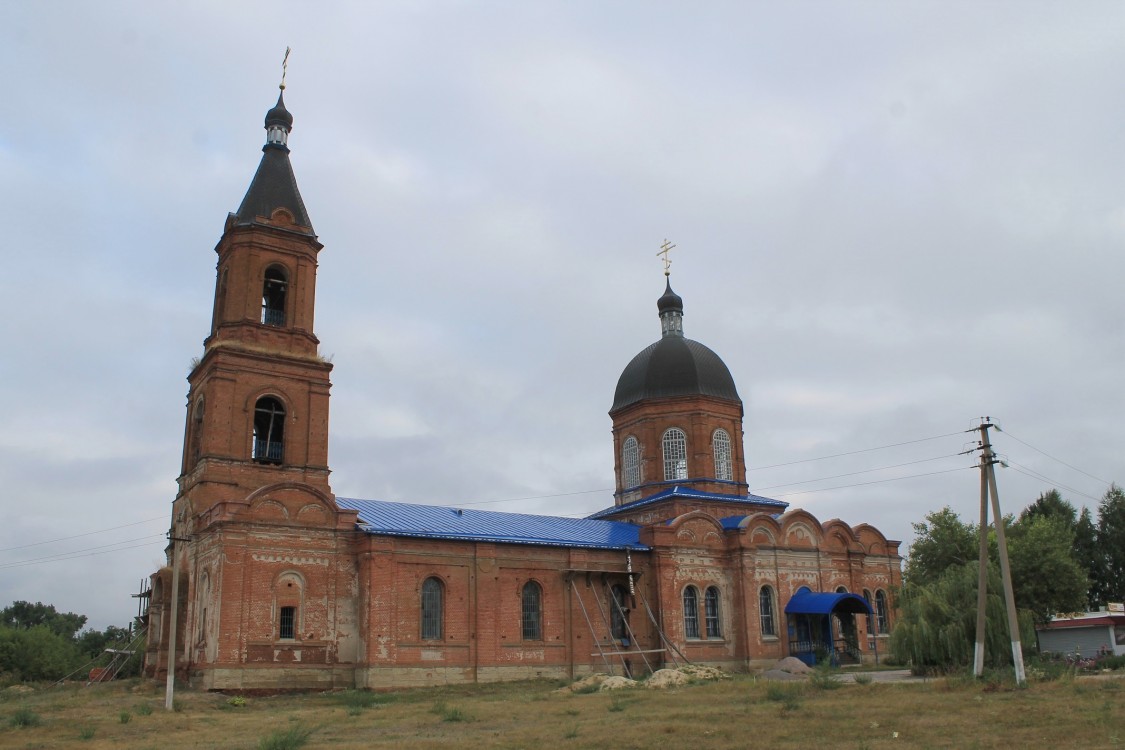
{"points": [[273, 582]]}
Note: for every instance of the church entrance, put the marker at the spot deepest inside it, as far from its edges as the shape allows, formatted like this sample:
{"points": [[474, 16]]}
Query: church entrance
{"points": [[822, 626]]}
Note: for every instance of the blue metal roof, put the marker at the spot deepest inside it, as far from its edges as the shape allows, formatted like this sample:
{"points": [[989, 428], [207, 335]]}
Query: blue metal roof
{"points": [[731, 522], [806, 602], [441, 522], [690, 494]]}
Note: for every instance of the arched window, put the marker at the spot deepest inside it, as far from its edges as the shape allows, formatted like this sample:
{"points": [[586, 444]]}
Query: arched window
{"points": [[691, 612], [841, 589], [765, 611], [532, 611], [675, 454], [870, 625], [269, 431], [196, 433], [631, 463], [220, 297], [881, 611], [720, 444], [288, 596], [711, 613], [203, 598], [273, 296], [431, 609], [619, 613]]}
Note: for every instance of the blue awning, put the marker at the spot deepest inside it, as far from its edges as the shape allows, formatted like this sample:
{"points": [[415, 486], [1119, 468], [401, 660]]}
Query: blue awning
{"points": [[806, 602]]}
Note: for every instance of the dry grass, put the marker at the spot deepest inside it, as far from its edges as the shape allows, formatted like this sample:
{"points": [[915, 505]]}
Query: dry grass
{"points": [[946, 713]]}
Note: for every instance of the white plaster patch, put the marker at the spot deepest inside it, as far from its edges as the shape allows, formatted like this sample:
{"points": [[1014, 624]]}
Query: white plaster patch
{"points": [[290, 559]]}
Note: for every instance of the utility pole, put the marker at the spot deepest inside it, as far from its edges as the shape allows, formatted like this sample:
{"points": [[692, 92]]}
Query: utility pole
{"points": [[982, 575], [988, 463], [169, 686]]}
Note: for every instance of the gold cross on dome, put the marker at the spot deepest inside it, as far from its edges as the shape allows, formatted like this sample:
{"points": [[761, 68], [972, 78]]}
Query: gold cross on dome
{"points": [[664, 249], [284, 65]]}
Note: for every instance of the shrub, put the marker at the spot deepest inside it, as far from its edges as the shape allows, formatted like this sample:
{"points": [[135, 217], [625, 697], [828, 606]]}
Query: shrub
{"points": [[454, 714], [286, 739], [363, 698], [863, 679], [24, 717], [86, 733], [125, 717], [236, 701], [1112, 662], [824, 678], [143, 709], [789, 696]]}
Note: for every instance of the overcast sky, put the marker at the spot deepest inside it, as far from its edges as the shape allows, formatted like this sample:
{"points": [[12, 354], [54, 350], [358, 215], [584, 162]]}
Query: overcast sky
{"points": [[890, 218]]}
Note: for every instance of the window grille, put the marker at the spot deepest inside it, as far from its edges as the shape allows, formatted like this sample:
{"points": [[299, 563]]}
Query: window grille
{"points": [[721, 445], [431, 609], [691, 612], [870, 624], [532, 612], [273, 297], [269, 431], [675, 454], [287, 623], [881, 611], [765, 611], [711, 613], [630, 459]]}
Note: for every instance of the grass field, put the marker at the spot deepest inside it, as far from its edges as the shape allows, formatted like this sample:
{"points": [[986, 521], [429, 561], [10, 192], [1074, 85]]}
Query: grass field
{"points": [[733, 713]]}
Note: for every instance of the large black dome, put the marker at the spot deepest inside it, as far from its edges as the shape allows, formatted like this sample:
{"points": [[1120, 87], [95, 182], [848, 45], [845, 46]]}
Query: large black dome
{"points": [[674, 366]]}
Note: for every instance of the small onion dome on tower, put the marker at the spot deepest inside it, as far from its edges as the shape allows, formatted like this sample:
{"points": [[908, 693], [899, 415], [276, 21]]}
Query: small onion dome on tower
{"points": [[674, 365], [278, 123]]}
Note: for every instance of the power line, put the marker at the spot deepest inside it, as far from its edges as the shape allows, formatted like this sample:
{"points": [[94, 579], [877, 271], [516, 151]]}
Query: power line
{"points": [[852, 453], [75, 557], [1020, 469], [88, 533], [1059, 460], [535, 497], [78, 552], [876, 481], [856, 473]]}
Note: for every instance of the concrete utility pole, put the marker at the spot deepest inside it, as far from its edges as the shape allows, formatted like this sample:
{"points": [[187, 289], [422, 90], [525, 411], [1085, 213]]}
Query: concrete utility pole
{"points": [[982, 575], [988, 462], [169, 686]]}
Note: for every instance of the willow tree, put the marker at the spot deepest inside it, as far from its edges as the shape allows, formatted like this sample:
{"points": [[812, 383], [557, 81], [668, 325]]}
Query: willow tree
{"points": [[936, 628]]}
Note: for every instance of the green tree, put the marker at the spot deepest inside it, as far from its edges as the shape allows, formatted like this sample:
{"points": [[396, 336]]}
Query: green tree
{"points": [[1050, 504], [941, 540], [1046, 576], [1111, 546], [1087, 554], [37, 653], [27, 615]]}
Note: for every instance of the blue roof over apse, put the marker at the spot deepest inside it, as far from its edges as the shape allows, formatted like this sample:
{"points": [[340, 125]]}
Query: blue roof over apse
{"points": [[806, 602], [731, 522], [441, 522], [688, 493]]}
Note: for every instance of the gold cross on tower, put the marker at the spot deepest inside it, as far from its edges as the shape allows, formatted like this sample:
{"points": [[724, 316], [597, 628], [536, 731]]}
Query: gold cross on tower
{"points": [[664, 249], [284, 65]]}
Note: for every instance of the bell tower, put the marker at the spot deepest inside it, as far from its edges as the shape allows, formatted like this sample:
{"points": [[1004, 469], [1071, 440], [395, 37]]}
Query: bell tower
{"points": [[257, 411]]}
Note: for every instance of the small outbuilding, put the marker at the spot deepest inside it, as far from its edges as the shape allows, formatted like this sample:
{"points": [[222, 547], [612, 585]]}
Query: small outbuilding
{"points": [[1085, 634]]}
